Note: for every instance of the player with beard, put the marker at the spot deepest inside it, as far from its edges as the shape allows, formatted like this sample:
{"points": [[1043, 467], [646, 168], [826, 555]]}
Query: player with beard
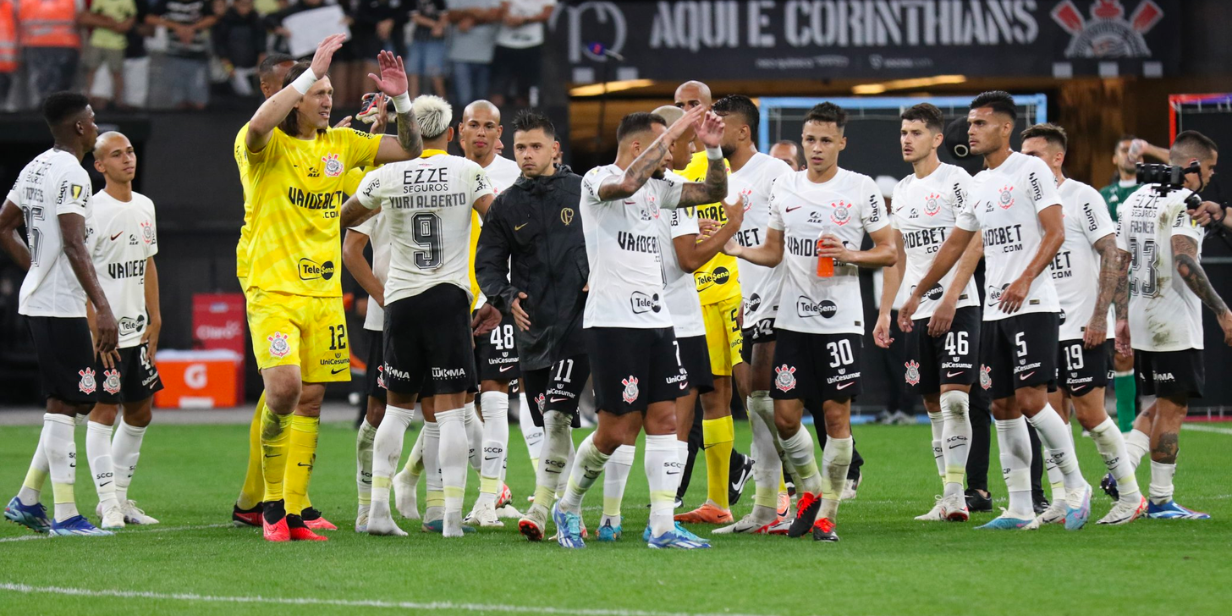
{"points": [[628, 330], [752, 177], [531, 263], [1090, 238], [718, 286], [124, 260], [1159, 288], [52, 199], [1014, 202], [297, 168], [943, 342], [817, 218]]}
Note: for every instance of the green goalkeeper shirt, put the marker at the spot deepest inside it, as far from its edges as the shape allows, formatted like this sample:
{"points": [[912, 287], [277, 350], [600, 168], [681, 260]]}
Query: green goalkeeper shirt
{"points": [[1116, 193]]}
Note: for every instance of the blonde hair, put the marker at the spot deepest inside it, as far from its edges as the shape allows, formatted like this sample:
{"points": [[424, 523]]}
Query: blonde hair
{"points": [[433, 115]]}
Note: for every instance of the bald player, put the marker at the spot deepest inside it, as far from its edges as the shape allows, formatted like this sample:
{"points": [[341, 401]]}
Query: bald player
{"points": [[718, 287], [789, 152]]}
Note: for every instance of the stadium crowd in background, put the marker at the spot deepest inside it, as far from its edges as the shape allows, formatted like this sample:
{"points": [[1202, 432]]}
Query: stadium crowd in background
{"points": [[166, 54]]}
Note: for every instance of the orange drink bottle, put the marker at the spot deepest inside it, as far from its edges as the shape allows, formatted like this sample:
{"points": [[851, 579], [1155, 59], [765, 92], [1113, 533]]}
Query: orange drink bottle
{"points": [[825, 265]]}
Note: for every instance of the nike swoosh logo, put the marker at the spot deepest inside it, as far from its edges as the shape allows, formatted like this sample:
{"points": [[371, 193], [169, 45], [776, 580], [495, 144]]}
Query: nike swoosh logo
{"points": [[1078, 387], [103, 484], [792, 209], [506, 369], [552, 471], [366, 480], [338, 370], [302, 464], [675, 473], [117, 235], [492, 458], [519, 227], [1026, 376], [951, 375], [684, 386], [845, 385], [273, 455], [956, 446], [557, 399]]}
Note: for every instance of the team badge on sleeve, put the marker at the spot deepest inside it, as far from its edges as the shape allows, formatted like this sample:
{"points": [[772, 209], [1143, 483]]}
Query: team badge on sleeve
{"points": [[333, 166], [630, 393], [279, 347], [111, 381], [985, 379], [87, 384], [913, 372], [785, 378]]}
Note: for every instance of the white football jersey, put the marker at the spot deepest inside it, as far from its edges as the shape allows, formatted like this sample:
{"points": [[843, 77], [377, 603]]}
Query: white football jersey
{"points": [[127, 237], [682, 300], [51, 185], [377, 230], [924, 213], [1075, 270], [428, 202], [503, 173], [1164, 315], [627, 276], [1005, 203], [848, 206], [760, 284]]}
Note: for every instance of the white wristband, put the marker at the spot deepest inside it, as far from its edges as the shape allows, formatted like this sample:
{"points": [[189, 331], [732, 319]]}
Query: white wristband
{"points": [[304, 82], [714, 153], [402, 103]]}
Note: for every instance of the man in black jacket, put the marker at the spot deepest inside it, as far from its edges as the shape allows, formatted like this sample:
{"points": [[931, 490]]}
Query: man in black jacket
{"points": [[534, 226]]}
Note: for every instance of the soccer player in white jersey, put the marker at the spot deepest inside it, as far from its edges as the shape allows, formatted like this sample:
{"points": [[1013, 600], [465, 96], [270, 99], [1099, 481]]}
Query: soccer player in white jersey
{"points": [[627, 326], [818, 214], [1159, 289], [943, 343], [752, 176], [124, 260], [427, 317], [1082, 373], [52, 199], [371, 278], [1014, 201]]}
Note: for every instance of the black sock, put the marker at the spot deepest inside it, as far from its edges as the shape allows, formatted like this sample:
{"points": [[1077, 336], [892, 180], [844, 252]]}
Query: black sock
{"points": [[274, 511]]}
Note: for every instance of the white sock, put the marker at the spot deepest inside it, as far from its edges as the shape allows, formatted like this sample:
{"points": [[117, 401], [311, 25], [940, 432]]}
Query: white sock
{"points": [[799, 449], [1136, 445], [1111, 446], [1052, 432], [434, 501], [531, 434], [936, 421], [662, 465], [1014, 443], [835, 461], [513, 411], [564, 478], [1161, 482], [414, 466], [556, 438], [495, 442], [125, 451], [587, 467], [615, 477], [453, 453], [98, 452], [766, 465], [35, 476], [61, 452], [955, 438], [363, 462], [474, 435], [387, 450]]}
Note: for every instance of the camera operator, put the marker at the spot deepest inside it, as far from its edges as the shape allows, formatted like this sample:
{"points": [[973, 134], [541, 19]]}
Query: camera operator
{"points": [[1159, 289], [1212, 213]]}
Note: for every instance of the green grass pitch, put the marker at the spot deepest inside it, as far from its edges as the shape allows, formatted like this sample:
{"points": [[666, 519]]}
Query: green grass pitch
{"points": [[886, 563]]}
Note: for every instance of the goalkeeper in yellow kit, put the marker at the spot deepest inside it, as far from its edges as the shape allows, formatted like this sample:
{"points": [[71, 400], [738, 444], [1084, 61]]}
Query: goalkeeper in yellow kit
{"points": [[297, 168]]}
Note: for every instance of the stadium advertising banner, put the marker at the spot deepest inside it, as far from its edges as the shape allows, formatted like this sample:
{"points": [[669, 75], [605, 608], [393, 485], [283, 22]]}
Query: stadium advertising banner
{"points": [[813, 39]]}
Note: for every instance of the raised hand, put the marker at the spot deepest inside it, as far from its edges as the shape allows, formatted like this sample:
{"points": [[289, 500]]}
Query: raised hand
{"points": [[709, 129], [690, 117], [392, 80], [325, 54]]}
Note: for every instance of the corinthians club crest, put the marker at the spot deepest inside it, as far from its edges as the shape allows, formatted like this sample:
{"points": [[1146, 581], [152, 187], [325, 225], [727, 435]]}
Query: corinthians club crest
{"points": [[1108, 33], [932, 205], [1006, 200], [542, 401], [985, 379], [333, 166], [87, 384], [785, 378], [279, 347], [630, 393], [111, 381], [913, 372]]}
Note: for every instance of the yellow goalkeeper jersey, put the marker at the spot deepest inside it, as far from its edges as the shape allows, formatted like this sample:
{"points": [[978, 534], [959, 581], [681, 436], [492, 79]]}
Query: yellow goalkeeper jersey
{"points": [[295, 191], [717, 280]]}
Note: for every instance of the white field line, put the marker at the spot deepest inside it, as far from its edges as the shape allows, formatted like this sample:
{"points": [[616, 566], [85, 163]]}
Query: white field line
{"points": [[302, 601], [1202, 428], [167, 529]]}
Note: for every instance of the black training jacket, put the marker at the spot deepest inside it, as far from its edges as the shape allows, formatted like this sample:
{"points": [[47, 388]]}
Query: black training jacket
{"points": [[535, 226]]}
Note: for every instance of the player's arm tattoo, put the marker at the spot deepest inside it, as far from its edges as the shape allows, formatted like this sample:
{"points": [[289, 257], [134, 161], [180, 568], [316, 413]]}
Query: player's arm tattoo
{"points": [[1109, 272], [1166, 449], [710, 191], [408, 135], [1185, 252], [639, 171]]}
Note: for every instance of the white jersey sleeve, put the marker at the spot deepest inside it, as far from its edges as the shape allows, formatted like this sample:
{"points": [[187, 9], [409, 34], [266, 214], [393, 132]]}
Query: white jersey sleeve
{"points": [[52, 185], [1075, 269], [873, 212], [754, 182], [925, 212], [682, 299]]}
